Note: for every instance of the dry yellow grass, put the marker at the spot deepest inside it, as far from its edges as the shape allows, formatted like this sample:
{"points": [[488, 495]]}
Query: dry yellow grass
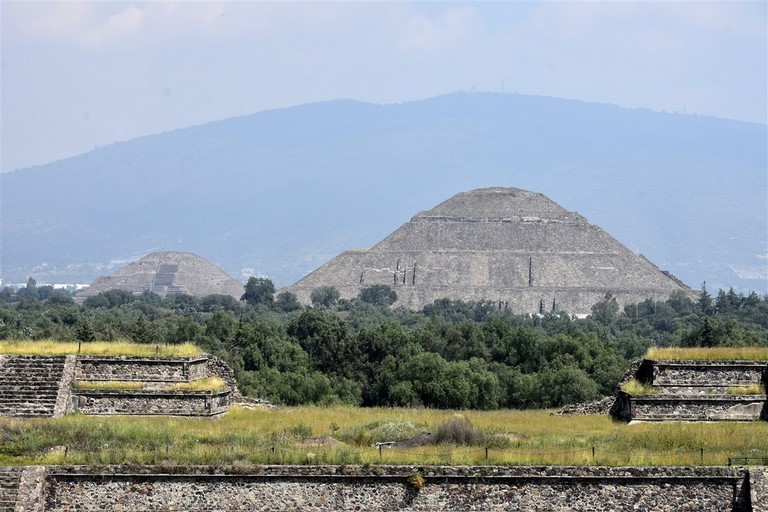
{"points": [[110, 384], [267, 437], [635, 387], [755, 389], [207, 384], [96, 348], [714, 353]]}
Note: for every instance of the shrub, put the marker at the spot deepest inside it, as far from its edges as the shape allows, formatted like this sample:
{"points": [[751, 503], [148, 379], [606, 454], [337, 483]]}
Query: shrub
{"points": [[416, 481], [458, 431]]}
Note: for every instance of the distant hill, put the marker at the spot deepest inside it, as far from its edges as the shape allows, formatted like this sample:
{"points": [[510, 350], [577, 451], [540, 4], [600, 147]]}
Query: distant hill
{"points": [[280, 192]]}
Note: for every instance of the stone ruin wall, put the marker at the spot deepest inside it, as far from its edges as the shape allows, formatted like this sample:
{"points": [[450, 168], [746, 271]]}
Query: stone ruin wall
{"points": [[141, 369], [151, 402], [386, 488], [158, 373], [695, 391]]}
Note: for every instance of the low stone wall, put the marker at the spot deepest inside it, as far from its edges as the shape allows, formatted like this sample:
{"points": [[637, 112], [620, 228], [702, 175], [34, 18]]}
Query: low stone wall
{"points": [[152, 402], [698, 408], [386, 488], [709, 373], [695, 391], [709, 408], [141, 369]]}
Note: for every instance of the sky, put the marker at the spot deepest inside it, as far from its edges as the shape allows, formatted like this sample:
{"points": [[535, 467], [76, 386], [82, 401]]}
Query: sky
{"points": [[76, 75]]}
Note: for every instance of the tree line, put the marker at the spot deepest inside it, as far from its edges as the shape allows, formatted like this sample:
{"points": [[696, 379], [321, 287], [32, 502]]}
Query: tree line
{"points": [[450, 354]]}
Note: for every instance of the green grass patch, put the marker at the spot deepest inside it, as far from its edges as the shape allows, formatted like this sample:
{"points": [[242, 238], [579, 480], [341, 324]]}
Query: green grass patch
{"points": [[705, 354], [637, 388], [754, 389], [97, 348], [207, 384], [280, 437]]}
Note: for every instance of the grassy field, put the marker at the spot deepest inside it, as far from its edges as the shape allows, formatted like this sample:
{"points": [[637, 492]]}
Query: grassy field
{"points": [[96, 348], [303, 435], [704, 354]]}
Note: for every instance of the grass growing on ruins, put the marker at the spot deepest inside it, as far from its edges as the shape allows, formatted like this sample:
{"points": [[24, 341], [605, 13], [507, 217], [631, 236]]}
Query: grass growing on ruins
{"points": [[713, 353], [96, 348], [346, 435], [636, 388], [754, 389], [206, 384], [108, 385]]}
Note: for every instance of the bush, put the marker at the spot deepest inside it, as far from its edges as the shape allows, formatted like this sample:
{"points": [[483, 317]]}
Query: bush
{"points": [[458, 431], [416, 481]]}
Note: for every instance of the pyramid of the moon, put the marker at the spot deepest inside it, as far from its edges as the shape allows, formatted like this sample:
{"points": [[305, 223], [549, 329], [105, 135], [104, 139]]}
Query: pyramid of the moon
{"points": [[516, 248], [168, 273]]}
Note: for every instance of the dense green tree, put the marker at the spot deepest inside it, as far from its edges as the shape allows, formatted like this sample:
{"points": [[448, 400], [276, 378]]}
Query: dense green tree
{"points": [[325, 296], [378, 294], [259, 290], [287, 302], [705, 301], [143, 331], [109, 299], [606, 310], [84, 331]]}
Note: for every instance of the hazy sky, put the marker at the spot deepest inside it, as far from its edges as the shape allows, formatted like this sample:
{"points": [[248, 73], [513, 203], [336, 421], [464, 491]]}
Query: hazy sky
{"points": [[77, 75]]}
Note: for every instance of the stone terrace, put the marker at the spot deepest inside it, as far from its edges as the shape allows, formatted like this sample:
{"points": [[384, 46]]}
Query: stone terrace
{"points": [[29, 385], [697, 391], [37, 386]]}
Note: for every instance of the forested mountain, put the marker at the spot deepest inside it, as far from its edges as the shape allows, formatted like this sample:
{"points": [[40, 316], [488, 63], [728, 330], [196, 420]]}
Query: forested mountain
{"points": [[280, 192]]}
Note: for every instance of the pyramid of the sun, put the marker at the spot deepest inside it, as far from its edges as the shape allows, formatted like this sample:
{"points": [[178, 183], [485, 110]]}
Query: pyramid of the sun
{"points": [[168, 273], [516, 248]]}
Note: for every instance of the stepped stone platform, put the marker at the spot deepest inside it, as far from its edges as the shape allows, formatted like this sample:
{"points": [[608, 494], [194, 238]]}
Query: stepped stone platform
{"points": [[30, 385], [696, 391], [515, 248], [36, 386]]}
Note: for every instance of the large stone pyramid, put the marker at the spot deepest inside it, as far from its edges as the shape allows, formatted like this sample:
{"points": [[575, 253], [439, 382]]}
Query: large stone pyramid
{"points": [[516, 248], [168, 273]]}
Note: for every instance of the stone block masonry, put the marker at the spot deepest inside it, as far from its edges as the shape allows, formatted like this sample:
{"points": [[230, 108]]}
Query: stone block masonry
{"points": [[43, 386], [141, 369], [387, 488], [697, 391], [152, 402]]}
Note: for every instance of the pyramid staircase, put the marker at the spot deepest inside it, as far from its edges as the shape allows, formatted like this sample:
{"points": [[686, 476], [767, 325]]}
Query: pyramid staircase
{"points": [[29, 385], [9, 488], [697, 391]]}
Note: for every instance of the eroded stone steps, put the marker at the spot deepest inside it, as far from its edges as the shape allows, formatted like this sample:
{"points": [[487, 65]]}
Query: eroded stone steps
{"points": [[9, 488], [29, 385]]}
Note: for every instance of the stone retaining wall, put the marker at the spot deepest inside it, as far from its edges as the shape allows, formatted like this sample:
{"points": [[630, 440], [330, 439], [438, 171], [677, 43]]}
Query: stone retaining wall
{"points": [[64, 396], [386, 488], [708, 408], [141, 369], [152, 402], [709, 373], [696, 391]]}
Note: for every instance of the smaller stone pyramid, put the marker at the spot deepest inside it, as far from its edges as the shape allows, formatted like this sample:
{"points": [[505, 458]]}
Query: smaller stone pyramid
{"points": [[168, 273]]}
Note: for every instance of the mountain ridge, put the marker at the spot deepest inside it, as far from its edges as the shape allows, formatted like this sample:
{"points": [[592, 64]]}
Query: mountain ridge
{"points": [[280, 192]]}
